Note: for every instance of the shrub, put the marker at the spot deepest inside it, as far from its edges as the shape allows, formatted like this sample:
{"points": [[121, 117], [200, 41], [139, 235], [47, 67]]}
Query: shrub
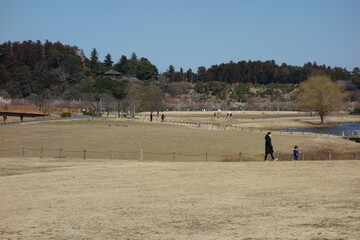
{"points": [[355, 112], [88, 112], [66, 115], [91, 113], [238, 158]]}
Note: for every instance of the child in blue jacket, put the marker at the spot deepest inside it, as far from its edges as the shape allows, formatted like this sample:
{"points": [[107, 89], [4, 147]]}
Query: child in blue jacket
{"points": [[296, 153]]}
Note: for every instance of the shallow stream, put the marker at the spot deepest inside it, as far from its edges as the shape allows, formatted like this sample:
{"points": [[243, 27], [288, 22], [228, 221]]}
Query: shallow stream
{"points": [[337, 130]]}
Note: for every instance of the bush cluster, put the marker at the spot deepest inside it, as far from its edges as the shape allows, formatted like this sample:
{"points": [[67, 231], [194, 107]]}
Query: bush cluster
{"points": [[66, 115], [355, 112]]}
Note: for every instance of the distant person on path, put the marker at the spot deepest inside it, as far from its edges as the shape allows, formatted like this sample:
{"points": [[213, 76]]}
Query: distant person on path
{"points": [[4, 117], [269, 147], [296, 153], [21, 118], [162, 117], [151, 117]]}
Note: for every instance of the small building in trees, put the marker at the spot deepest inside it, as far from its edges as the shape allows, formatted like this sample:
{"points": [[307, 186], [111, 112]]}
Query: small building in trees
{"points": [[113, 74]]}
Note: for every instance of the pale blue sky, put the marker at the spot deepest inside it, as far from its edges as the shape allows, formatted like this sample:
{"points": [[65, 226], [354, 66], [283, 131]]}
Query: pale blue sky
{"points": [[193, 33]]}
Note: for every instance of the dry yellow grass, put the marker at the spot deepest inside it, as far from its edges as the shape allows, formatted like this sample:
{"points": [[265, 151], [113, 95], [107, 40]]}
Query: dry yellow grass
{"points": [[70, 198], [133, 136], [254, 119], [51, 199]]}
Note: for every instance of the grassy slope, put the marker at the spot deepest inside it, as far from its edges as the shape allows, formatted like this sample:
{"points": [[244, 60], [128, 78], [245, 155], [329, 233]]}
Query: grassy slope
{"points": [[97, 135]]}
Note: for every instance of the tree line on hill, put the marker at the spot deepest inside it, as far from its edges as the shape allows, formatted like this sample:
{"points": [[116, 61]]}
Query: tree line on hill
{"points": [[36, 70], [258, 72], [53, 70]]}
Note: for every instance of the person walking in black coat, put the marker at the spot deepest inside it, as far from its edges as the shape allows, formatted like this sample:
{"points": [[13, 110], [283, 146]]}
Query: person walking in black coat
{"points": [[269, 147]]}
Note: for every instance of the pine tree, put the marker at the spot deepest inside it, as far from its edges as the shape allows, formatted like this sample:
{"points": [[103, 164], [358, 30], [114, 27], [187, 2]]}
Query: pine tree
{"points": [[171, 73], [190, 76], [94, 60], [133, 56], [107, 61], [120, 65]]}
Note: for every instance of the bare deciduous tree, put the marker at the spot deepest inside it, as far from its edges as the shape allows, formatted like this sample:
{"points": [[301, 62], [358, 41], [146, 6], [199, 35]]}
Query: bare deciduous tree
{"points": [[319, 94], [108, 103], [152, 100], [133, 99]]}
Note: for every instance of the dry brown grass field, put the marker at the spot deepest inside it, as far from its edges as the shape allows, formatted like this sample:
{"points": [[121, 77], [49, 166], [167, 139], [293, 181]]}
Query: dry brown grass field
{"points": [[257, 119], [104, 199], [127, 138], [124, 198]]}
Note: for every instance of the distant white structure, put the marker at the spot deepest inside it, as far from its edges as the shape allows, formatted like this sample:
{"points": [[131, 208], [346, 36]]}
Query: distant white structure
{"points": [[4, 101]]}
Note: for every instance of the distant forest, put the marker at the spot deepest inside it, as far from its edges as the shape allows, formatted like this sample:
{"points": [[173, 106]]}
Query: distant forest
{"points": [[54, 70]]}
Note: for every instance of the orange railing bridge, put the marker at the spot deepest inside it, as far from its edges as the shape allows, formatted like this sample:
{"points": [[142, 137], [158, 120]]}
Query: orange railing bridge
{"points": [[32, 111]]}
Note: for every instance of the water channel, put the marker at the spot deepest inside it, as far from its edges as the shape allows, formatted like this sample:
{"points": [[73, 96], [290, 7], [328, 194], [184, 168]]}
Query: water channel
{"points": [[337, 130]]}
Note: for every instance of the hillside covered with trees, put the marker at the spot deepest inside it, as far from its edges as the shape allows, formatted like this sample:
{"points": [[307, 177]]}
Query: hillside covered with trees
{"points": [[49, 71]]}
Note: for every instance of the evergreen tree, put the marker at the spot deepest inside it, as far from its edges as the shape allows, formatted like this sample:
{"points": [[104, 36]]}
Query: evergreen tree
{"points": [[107, 61], [171, 73], [355, 78], [131, 67], [190, 76], [201, 74], [120, 65], [181, 74], [94, 60], [145, 70], [133, 56]]}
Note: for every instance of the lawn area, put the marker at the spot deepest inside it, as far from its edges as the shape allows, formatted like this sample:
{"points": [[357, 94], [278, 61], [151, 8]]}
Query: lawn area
{"points": [[104, 199], [114, 195], [126, 138]]}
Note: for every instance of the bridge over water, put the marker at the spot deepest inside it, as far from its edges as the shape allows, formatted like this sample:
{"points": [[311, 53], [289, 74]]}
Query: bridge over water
{"points": [[32, 111], [352, 135]]}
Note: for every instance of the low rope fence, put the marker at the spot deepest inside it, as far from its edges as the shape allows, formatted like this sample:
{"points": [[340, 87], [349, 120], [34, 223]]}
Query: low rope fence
{"points": [[230, 127], [141, 155]]}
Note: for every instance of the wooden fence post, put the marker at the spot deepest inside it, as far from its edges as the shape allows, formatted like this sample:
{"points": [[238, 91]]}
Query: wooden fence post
{"points": [[206, 156], [141, 155], [84, 154], [174, 156]]}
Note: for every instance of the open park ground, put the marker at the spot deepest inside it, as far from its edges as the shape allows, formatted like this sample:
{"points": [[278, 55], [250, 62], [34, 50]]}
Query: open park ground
{"points": [[124, 139], [104, 199], [120, 197]]}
